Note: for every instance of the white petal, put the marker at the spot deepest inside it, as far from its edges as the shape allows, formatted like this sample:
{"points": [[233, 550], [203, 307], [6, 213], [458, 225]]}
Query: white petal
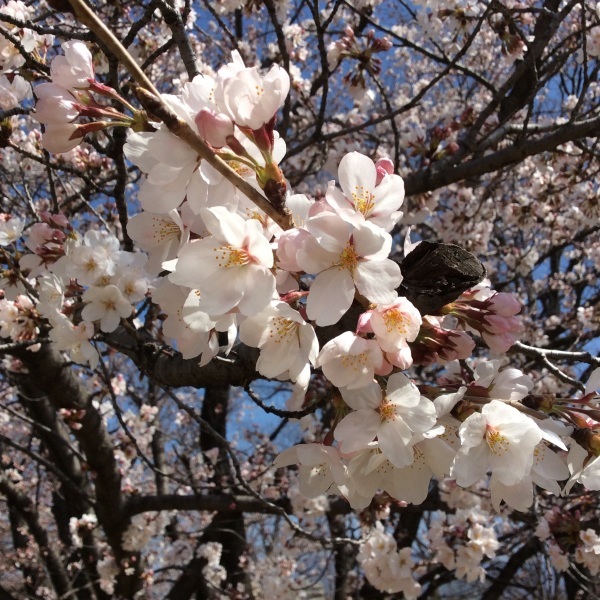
{"points": [[357, 172], [377, 280], [331, 295], [357, 429]]}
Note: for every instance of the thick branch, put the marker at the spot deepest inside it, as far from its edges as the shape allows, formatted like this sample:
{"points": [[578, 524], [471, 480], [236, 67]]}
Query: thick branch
{"points": [[58, 382], [156, 107], [26, 508], [167, 367], [222, 503], [441, 174]]}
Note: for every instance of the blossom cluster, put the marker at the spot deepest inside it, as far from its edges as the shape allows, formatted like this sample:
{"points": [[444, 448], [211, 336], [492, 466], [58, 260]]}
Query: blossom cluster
{"points": [[221, 271], [14, 88], [387, 568], [66, 270]]}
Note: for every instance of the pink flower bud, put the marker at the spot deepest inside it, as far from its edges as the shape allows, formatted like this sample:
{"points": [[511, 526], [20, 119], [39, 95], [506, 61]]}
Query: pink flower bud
{"points": [[499, 342], [364, 323], [384, 166], [214, 127], [460, 345], [503, 304]]}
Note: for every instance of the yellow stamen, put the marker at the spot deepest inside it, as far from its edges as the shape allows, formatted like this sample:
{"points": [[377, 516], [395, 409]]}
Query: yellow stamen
{"points": [[164, 230], [282, 330], [395, 319], [386, 411], [364, 200], [355, 362], [496, 441], [348, 258], [228, 256]]}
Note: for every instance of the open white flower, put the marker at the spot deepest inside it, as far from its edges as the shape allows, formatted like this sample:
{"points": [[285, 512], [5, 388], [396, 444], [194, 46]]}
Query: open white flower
{"points": [[393, 417], [249, 98], [345, 258], [288, 345], [320, 467], [362, 198], [10, 229], [500, 438], [160, 235], [13, 91], [232, 267], [74, 339], [107, 305], [350, 360], [394, 325]]}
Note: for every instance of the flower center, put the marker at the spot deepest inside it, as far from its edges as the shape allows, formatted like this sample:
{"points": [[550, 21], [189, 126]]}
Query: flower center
{"points": [[386, 411], [496, 441], [395, 320], [90, 265], [228, 256], [164, 230], [109, 305], [363, 200], [282, 330], [348, 258], [355, 361]]}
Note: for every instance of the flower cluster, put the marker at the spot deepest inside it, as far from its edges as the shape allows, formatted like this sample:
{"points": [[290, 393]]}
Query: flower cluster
{"points": [[71, 271], [69, 96], [387, 568], [14, 88], [222, 270]]}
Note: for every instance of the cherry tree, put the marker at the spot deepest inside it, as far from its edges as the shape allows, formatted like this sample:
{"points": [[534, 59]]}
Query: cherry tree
{"points": [[299, 299]]}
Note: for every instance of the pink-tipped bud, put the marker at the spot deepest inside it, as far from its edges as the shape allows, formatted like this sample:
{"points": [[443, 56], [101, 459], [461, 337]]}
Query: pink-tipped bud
{"points": [[293, 296], [503, 304], [214, 127], [384, 166], [364, 323]]}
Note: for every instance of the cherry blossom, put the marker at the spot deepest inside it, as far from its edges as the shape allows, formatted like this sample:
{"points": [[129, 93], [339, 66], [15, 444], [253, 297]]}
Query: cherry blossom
{"points": [[75, 339], [13, 91], [392, 417], [10, 229], [499, 438], [365, 195], [107, 305], [344, 258], [350, 360], [237, 260], [160, 235], [251, 100], [288, 345], [74, 68], [320, 467]]}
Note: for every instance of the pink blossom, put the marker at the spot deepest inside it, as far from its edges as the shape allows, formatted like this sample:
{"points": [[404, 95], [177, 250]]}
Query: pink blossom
{"points": [[500, 438], [367, 193], [393, 417], [395, 324], [236, 264], [214, 127], [107, 305]]}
